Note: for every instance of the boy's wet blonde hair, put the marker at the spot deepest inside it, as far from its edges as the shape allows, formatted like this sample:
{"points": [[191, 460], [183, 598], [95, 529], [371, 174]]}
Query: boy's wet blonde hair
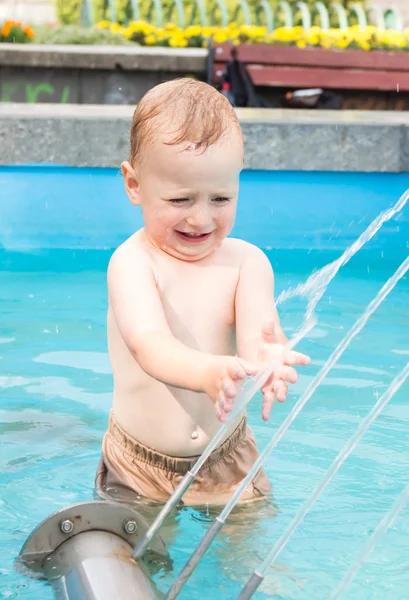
{"points": [[184, 110]]}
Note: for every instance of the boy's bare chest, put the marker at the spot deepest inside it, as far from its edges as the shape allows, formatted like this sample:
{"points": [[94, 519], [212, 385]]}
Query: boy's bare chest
{"points": [[199, 303]]}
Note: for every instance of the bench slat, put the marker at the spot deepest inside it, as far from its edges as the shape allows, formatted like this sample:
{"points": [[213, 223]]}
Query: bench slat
{"points": [[266, 54], [304, 77]]}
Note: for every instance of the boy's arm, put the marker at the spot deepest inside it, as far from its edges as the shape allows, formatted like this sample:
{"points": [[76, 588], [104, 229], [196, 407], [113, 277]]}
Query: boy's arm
{"points": [[255, 304], [138, 312], [139, 315]]}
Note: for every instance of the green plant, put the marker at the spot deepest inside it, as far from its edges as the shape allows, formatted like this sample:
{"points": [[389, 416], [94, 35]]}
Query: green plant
{"points": [[74, 34], [69, 11], [14, 32]]}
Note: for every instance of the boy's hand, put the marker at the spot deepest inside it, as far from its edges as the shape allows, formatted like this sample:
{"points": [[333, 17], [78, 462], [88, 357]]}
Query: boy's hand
{"points": [[223, 378], [272, 353]]}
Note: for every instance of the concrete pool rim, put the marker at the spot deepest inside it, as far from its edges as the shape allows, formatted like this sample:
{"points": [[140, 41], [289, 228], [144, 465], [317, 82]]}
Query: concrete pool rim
{"points": [[275, 139]]}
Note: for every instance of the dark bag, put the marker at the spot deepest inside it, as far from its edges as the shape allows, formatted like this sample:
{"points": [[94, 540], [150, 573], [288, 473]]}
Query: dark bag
{"points": [[241, 87]]}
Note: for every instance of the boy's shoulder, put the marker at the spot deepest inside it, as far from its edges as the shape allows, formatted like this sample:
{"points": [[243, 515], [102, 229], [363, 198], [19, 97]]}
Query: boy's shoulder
{"points": [[132, 245], [131, 250], [245, 251]]}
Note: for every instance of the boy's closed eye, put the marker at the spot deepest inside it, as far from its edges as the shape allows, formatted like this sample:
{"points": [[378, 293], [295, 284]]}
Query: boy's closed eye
{"points": [[178, 200], [218, 199]]}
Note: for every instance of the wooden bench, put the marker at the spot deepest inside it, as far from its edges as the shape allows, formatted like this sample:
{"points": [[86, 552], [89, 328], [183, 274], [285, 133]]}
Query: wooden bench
{"points": [[293, 68]]}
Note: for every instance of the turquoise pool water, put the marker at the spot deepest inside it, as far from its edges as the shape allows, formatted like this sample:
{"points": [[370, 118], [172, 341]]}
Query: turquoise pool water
{"points": [[58, 228]]}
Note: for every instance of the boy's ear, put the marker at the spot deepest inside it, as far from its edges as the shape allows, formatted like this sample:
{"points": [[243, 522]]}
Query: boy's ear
{"points": [[131, 183]]}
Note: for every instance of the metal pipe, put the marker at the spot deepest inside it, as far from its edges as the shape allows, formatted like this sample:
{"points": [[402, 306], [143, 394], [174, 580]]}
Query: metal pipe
{"points": [[96, 565], [85, 552]]}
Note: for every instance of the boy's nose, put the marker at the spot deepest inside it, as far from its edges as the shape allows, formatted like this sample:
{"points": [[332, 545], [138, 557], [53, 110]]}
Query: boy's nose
{"points": [[199, 218]]}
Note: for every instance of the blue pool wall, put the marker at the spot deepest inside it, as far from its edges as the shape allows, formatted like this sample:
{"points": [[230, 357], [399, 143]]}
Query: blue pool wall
{"points": [[87, 208]]}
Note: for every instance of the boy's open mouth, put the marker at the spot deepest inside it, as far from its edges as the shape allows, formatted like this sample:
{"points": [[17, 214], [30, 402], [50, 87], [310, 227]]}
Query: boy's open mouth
{"points": [[193, 237]]}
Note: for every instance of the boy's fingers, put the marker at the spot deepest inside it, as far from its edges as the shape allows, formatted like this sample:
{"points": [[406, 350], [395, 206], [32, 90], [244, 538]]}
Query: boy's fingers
{"points": [[224, 402], [221, 413], [267, 332], [236, 371], [287, 374], [281, 390], [296, 358], [239, 369], [220, 401], [268, 401], [229, 388], [248, 367]]}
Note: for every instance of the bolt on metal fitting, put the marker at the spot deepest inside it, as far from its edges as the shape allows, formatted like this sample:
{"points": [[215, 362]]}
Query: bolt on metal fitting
{"points": [[66, 526], [130, 526]]}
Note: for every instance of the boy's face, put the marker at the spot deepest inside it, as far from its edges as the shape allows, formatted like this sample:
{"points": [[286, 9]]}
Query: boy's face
{"points": [[188, 197]]}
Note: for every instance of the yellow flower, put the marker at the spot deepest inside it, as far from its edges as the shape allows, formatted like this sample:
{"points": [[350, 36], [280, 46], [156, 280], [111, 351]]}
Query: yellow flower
{"points": [[220, 37], [115, 28], [193, 31], [313, 38], [150, 39], [365, 38]]}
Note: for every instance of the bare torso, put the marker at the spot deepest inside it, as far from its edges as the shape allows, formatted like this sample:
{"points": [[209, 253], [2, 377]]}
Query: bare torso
{"points": [[199, 306]]}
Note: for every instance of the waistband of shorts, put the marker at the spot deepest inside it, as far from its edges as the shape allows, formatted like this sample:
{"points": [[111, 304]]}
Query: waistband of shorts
{"points": [[168, 463]]}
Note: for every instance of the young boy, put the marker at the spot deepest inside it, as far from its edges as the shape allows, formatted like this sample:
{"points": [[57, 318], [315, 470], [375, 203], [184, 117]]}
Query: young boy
{"points": [[191, 311]]}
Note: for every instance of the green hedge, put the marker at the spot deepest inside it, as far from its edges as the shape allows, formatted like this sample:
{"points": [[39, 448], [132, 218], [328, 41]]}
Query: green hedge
{"points": [[74, 34], [69, 11]]}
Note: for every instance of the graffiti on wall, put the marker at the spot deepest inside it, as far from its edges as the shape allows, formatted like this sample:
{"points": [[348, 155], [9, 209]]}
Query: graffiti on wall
{"points": [[20, 91]]}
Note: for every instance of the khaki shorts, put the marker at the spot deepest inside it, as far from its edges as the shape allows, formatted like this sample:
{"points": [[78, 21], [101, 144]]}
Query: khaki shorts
{"points": [[129, 470]]}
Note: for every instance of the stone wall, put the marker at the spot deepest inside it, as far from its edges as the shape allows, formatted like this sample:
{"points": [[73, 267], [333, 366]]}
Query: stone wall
{"points": [[91, 74], [274, 139]]}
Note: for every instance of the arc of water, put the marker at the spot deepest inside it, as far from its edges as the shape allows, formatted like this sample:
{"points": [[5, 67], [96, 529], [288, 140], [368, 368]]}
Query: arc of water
{"points": [[243, 7], [305, 15], [360, 13], [264, 7], [317, 283], [379, 15], [388, 520], [219, 521], [246, 393], [258, 575], [341, 14], [324, 16], [288, 15], [223, 11], [180, 11]]}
